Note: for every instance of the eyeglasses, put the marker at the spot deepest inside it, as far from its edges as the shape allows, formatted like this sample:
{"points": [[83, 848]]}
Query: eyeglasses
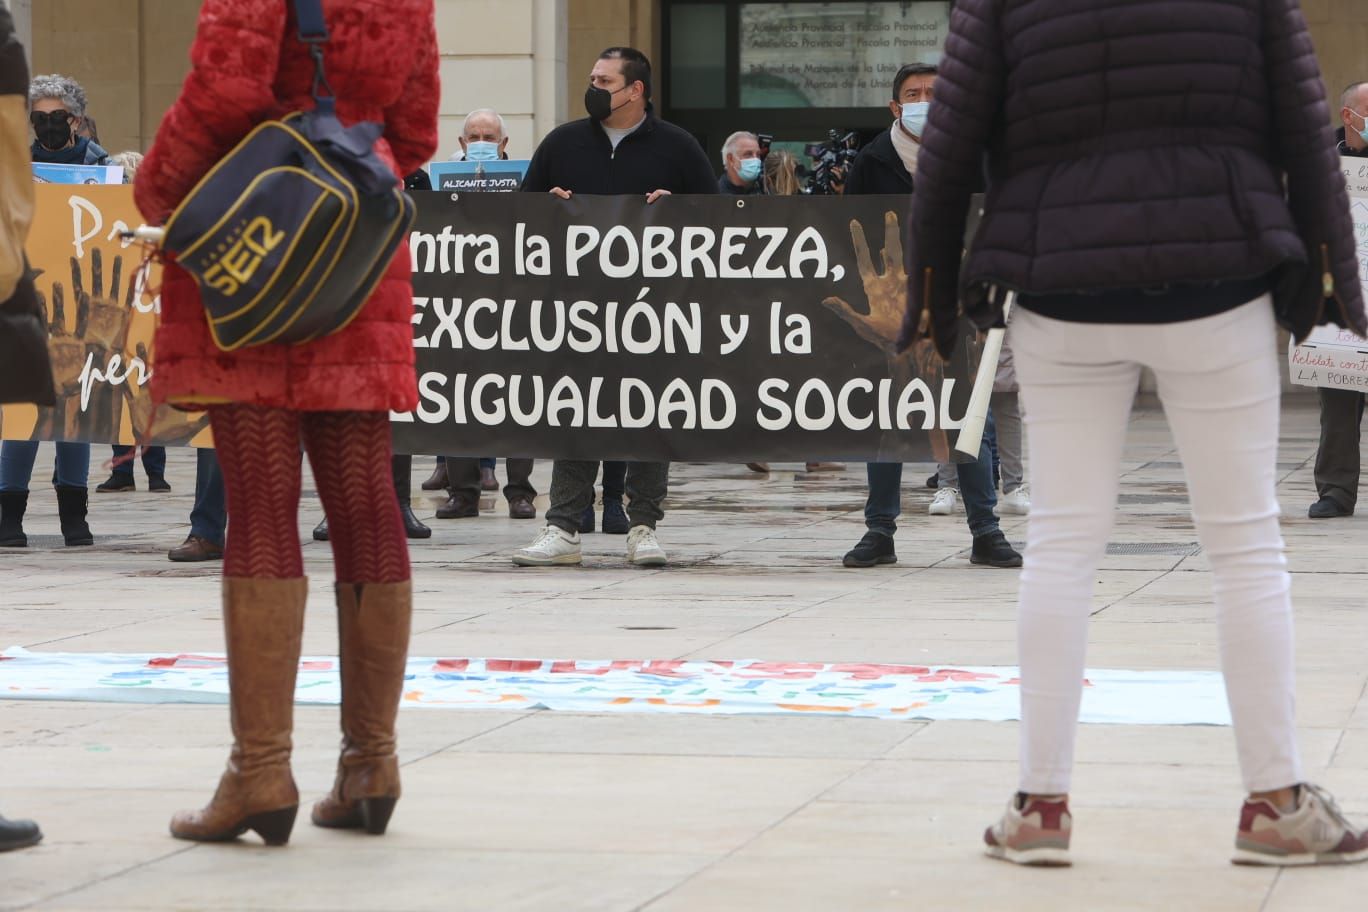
{"points": [[38, 118]]}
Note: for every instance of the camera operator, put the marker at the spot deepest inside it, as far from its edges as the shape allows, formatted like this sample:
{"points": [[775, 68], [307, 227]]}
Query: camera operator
{"points": [[743, 160], [832, 161]]}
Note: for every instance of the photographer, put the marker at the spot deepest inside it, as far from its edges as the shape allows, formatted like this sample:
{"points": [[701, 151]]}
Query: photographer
{"points": [[885, 166], [743, 161]]}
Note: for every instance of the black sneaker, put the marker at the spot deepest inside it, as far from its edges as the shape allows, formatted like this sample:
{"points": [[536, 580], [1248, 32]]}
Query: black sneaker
{"points": [[1328, 508], [157, 484], [875, 548], [615, 521], [934, 481], [117, 483], [994, 550], [586, 521]]}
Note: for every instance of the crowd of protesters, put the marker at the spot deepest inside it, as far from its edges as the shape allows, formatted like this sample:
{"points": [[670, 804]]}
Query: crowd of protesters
{"points": [[1201, 314]]}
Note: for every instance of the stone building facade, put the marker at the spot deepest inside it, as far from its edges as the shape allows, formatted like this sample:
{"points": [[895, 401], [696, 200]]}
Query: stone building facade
{"points": [[527, 58]]}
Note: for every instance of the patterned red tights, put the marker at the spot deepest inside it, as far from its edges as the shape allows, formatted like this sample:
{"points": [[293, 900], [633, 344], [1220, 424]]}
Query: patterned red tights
{"points": [[259, 450]]}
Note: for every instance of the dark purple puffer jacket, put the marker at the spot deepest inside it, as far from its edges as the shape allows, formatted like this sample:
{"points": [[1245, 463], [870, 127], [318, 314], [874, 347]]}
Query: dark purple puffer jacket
{"points": [[1131, 144]]}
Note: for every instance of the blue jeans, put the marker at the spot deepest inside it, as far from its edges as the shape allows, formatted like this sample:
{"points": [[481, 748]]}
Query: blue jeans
{"points": [[153, 460], [71, 468], [209, 518], [976, 488]]}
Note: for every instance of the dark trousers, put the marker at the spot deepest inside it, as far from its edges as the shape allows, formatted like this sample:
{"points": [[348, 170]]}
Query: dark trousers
{"points": [[463, 474], [572, 491], [153, 460], [614, 480], [209, 517], [884, 504], [1337, 460]]}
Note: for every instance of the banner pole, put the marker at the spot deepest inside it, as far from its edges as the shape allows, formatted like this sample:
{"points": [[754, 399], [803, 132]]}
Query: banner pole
{"points": [[976, 417]]}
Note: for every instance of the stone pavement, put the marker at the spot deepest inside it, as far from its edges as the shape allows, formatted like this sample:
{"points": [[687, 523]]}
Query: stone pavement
{"points": [[610, 813]]}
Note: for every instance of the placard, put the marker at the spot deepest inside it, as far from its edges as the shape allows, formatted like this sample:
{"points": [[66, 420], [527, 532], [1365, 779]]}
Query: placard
{"points": [[1332, 356]]}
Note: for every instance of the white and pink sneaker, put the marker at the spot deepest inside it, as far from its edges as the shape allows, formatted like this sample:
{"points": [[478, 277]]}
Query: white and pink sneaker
{"points": [[1033, 831]]}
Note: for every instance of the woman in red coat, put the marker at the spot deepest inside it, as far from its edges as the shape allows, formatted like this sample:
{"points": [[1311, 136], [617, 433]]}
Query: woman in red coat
{"points": [[332, 395]]}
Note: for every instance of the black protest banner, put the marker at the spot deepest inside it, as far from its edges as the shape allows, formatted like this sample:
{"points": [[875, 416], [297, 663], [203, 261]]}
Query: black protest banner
{"points": [[697, 328]]}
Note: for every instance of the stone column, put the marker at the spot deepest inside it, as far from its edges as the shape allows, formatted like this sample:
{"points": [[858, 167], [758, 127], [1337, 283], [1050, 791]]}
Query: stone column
{"points": [[23, 20]]}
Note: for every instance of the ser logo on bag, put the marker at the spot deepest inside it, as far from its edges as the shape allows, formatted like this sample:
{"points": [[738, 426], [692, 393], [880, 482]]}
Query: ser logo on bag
{"points": [[239, 260]]}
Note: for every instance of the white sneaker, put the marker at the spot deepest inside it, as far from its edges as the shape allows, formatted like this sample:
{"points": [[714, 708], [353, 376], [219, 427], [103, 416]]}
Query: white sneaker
{"points": [[945, 502], [552, 546], [1018, 503], [643, 549]]}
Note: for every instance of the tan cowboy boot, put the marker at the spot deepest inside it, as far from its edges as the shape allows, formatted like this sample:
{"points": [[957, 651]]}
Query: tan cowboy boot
{"points": [[373, 629], [264, 623]]}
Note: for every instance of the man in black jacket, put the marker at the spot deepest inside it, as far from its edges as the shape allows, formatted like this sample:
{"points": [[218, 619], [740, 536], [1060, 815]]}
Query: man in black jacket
{"points": [[622, 147], [14, 83], [1341, 410], [885, 166]]}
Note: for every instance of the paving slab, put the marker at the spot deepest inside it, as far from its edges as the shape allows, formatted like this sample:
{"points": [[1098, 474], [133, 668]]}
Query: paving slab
{"points": [[539, 810]]}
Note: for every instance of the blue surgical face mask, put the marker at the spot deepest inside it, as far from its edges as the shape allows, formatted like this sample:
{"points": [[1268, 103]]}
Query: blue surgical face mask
{"points": [[914, 117], [749, 169], [1364, 132], [482, 151]]}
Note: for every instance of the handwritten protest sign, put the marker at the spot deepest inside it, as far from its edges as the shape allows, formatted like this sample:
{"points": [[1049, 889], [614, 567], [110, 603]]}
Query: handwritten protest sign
{"points": [[1332, 356]]}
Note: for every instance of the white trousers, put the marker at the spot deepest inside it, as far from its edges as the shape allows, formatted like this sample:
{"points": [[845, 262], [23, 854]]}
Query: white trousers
{"points": [[1218, 381]]}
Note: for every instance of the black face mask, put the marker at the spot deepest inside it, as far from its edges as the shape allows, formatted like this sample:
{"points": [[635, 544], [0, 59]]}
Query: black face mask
{"points": [[52, 129], [599, 102]]}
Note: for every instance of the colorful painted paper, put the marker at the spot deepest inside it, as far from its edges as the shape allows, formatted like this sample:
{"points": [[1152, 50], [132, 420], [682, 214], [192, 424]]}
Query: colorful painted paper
{"points": [[663, 686]]}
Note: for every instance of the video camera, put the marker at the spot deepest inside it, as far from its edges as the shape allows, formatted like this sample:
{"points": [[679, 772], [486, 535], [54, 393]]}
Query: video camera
{"points": [[831, 161]]}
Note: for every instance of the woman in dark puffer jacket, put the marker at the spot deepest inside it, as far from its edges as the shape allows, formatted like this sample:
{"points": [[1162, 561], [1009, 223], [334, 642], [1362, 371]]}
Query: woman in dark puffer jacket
{"points": [[1163, 187]]}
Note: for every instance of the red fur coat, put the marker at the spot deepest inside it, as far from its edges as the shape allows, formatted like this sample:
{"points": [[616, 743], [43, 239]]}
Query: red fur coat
{"points": [[247, 66]]}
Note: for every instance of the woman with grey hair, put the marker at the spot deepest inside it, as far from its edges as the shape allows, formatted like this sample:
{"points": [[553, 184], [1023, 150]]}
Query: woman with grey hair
{"points": [[58, 105], [58, 109]]}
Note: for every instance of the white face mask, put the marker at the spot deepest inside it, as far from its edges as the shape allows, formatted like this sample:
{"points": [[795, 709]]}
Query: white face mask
{"points": [[914, 117]]}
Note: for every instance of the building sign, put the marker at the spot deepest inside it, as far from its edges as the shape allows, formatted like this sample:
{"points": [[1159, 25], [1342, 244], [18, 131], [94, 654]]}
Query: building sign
{"points": [[834, 55]]}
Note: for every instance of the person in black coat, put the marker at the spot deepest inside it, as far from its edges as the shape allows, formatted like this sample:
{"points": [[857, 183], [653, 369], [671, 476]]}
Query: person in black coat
{"points": [[1163, 189], [622, 147], [884, 167], [16, 834], [1341, 410]]}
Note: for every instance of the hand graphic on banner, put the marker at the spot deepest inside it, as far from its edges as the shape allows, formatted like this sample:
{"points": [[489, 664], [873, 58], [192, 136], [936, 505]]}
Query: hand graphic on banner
{"points": [[101, 328], [162, 425], [886, 292], [89, 405]]}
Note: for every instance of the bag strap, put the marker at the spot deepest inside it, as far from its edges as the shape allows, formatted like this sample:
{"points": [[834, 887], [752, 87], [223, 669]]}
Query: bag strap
{"points": [[313, 32]]}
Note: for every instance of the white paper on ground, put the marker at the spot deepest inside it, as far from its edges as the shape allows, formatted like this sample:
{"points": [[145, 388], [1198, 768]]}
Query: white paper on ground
{"points": [[884, 691]]}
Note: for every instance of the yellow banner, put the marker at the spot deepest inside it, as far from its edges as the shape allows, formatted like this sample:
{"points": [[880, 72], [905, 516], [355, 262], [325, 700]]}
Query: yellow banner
{"points": [[101, 311]]}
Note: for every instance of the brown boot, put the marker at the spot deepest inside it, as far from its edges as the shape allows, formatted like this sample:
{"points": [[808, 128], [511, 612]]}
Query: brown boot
{"points": [[373, 628], [264, 624]]}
